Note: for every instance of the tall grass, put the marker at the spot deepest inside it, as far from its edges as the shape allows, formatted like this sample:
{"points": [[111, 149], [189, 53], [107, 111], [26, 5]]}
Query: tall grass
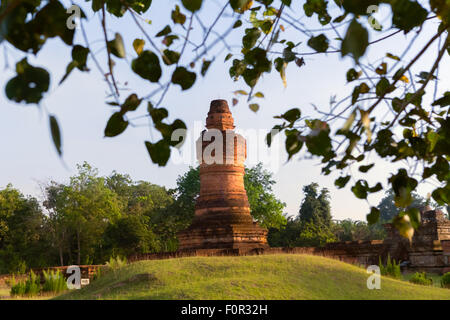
{"points": [[54, 281], [391, 269], [30, 287]]}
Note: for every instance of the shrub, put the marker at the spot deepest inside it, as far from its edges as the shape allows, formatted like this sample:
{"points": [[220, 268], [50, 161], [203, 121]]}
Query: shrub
{"points": [[391, 269], [116, 263], [97, 273], [17, 287], [30, 287], [445, 280], [33, 284], [421, 278], [54, 282]]}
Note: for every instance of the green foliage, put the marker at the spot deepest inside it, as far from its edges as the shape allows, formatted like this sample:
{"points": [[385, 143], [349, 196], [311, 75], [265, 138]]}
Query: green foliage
{"points": [[54, 281], [417, 131], [355, 41], [115, 263], [421, 278], [258, 182], [315, 207], [349, 230], [390, 269], [29, 84], [29, 287], [445, 280]]}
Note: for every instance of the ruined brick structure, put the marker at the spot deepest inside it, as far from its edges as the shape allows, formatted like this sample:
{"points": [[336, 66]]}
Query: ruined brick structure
{"points": [[222, 213]]}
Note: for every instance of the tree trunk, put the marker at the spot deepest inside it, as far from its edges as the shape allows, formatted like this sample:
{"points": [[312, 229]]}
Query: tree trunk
{"points": [[61, 256], [78, 247]]}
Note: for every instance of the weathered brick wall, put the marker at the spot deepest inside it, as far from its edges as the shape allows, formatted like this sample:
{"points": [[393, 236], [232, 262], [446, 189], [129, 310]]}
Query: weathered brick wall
{"points": [[87, 271]]}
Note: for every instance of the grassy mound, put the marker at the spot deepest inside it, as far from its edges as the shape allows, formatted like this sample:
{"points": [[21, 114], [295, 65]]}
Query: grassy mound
{"points": [[250, 277]]}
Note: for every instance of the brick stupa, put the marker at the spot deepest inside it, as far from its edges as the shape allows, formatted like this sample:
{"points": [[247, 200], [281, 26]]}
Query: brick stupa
{"points": [[222, 213]]}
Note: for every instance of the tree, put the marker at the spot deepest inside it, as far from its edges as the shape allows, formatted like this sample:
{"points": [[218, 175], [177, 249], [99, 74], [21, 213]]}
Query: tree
{"points": [[315, 206], [264, 206], [399, 124], [312, 226], [350, 230], [22, 238], [86, 206]]}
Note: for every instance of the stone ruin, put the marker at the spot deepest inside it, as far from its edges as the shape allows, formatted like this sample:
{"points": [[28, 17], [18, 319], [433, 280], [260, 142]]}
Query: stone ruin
{"points": [[222, 213], [223, 225]]}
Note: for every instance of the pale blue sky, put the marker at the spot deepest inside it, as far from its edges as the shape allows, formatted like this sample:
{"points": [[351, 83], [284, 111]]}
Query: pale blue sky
{"points": [[28, 156]]}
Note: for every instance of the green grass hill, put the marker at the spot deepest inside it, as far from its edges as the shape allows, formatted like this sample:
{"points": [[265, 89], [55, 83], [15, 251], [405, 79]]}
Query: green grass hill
{"points": [[284, 276]]}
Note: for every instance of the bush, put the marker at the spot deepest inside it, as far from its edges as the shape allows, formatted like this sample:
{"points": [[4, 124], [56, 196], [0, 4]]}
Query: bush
{"points": [[391, 269], [116, 263], [54, 282], [30, 287], [17, 287], [445, 280], [421, 278]]}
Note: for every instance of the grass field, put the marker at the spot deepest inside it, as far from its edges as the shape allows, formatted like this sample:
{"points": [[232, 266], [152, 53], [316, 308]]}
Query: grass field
{"points": [[250, 277]]}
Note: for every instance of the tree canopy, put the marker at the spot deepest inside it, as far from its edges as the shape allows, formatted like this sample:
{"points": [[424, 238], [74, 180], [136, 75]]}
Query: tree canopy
{"points": [[264, 206], [406, 119]]}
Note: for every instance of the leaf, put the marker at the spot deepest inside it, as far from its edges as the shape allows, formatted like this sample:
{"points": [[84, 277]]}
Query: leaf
{"points": [[237, 24], [170, 57], [407, 14], [169, 39], [280, 66], [352, 75], [177, 16], [319, 43], [383, 87], [254, 107], [433, 138], [241, 5], [138, 45], [116, 125], [403, 225], [183, 77], [192, 5], [291, 115], [444, 101], [394, 57], [159, 152], [29, 84], [56, 133], [131, 103], [293, 143], [373, 216], [116, 46], [205, 66], [147, 66], [259, 95], [165, 31], [365, 120], [79, 58], [341, 181], [348, 123], [355, 41], [360, 189], [228, 56], [241, 92], [382, 68], [403, 186], [366, 168], [250, 38]]}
